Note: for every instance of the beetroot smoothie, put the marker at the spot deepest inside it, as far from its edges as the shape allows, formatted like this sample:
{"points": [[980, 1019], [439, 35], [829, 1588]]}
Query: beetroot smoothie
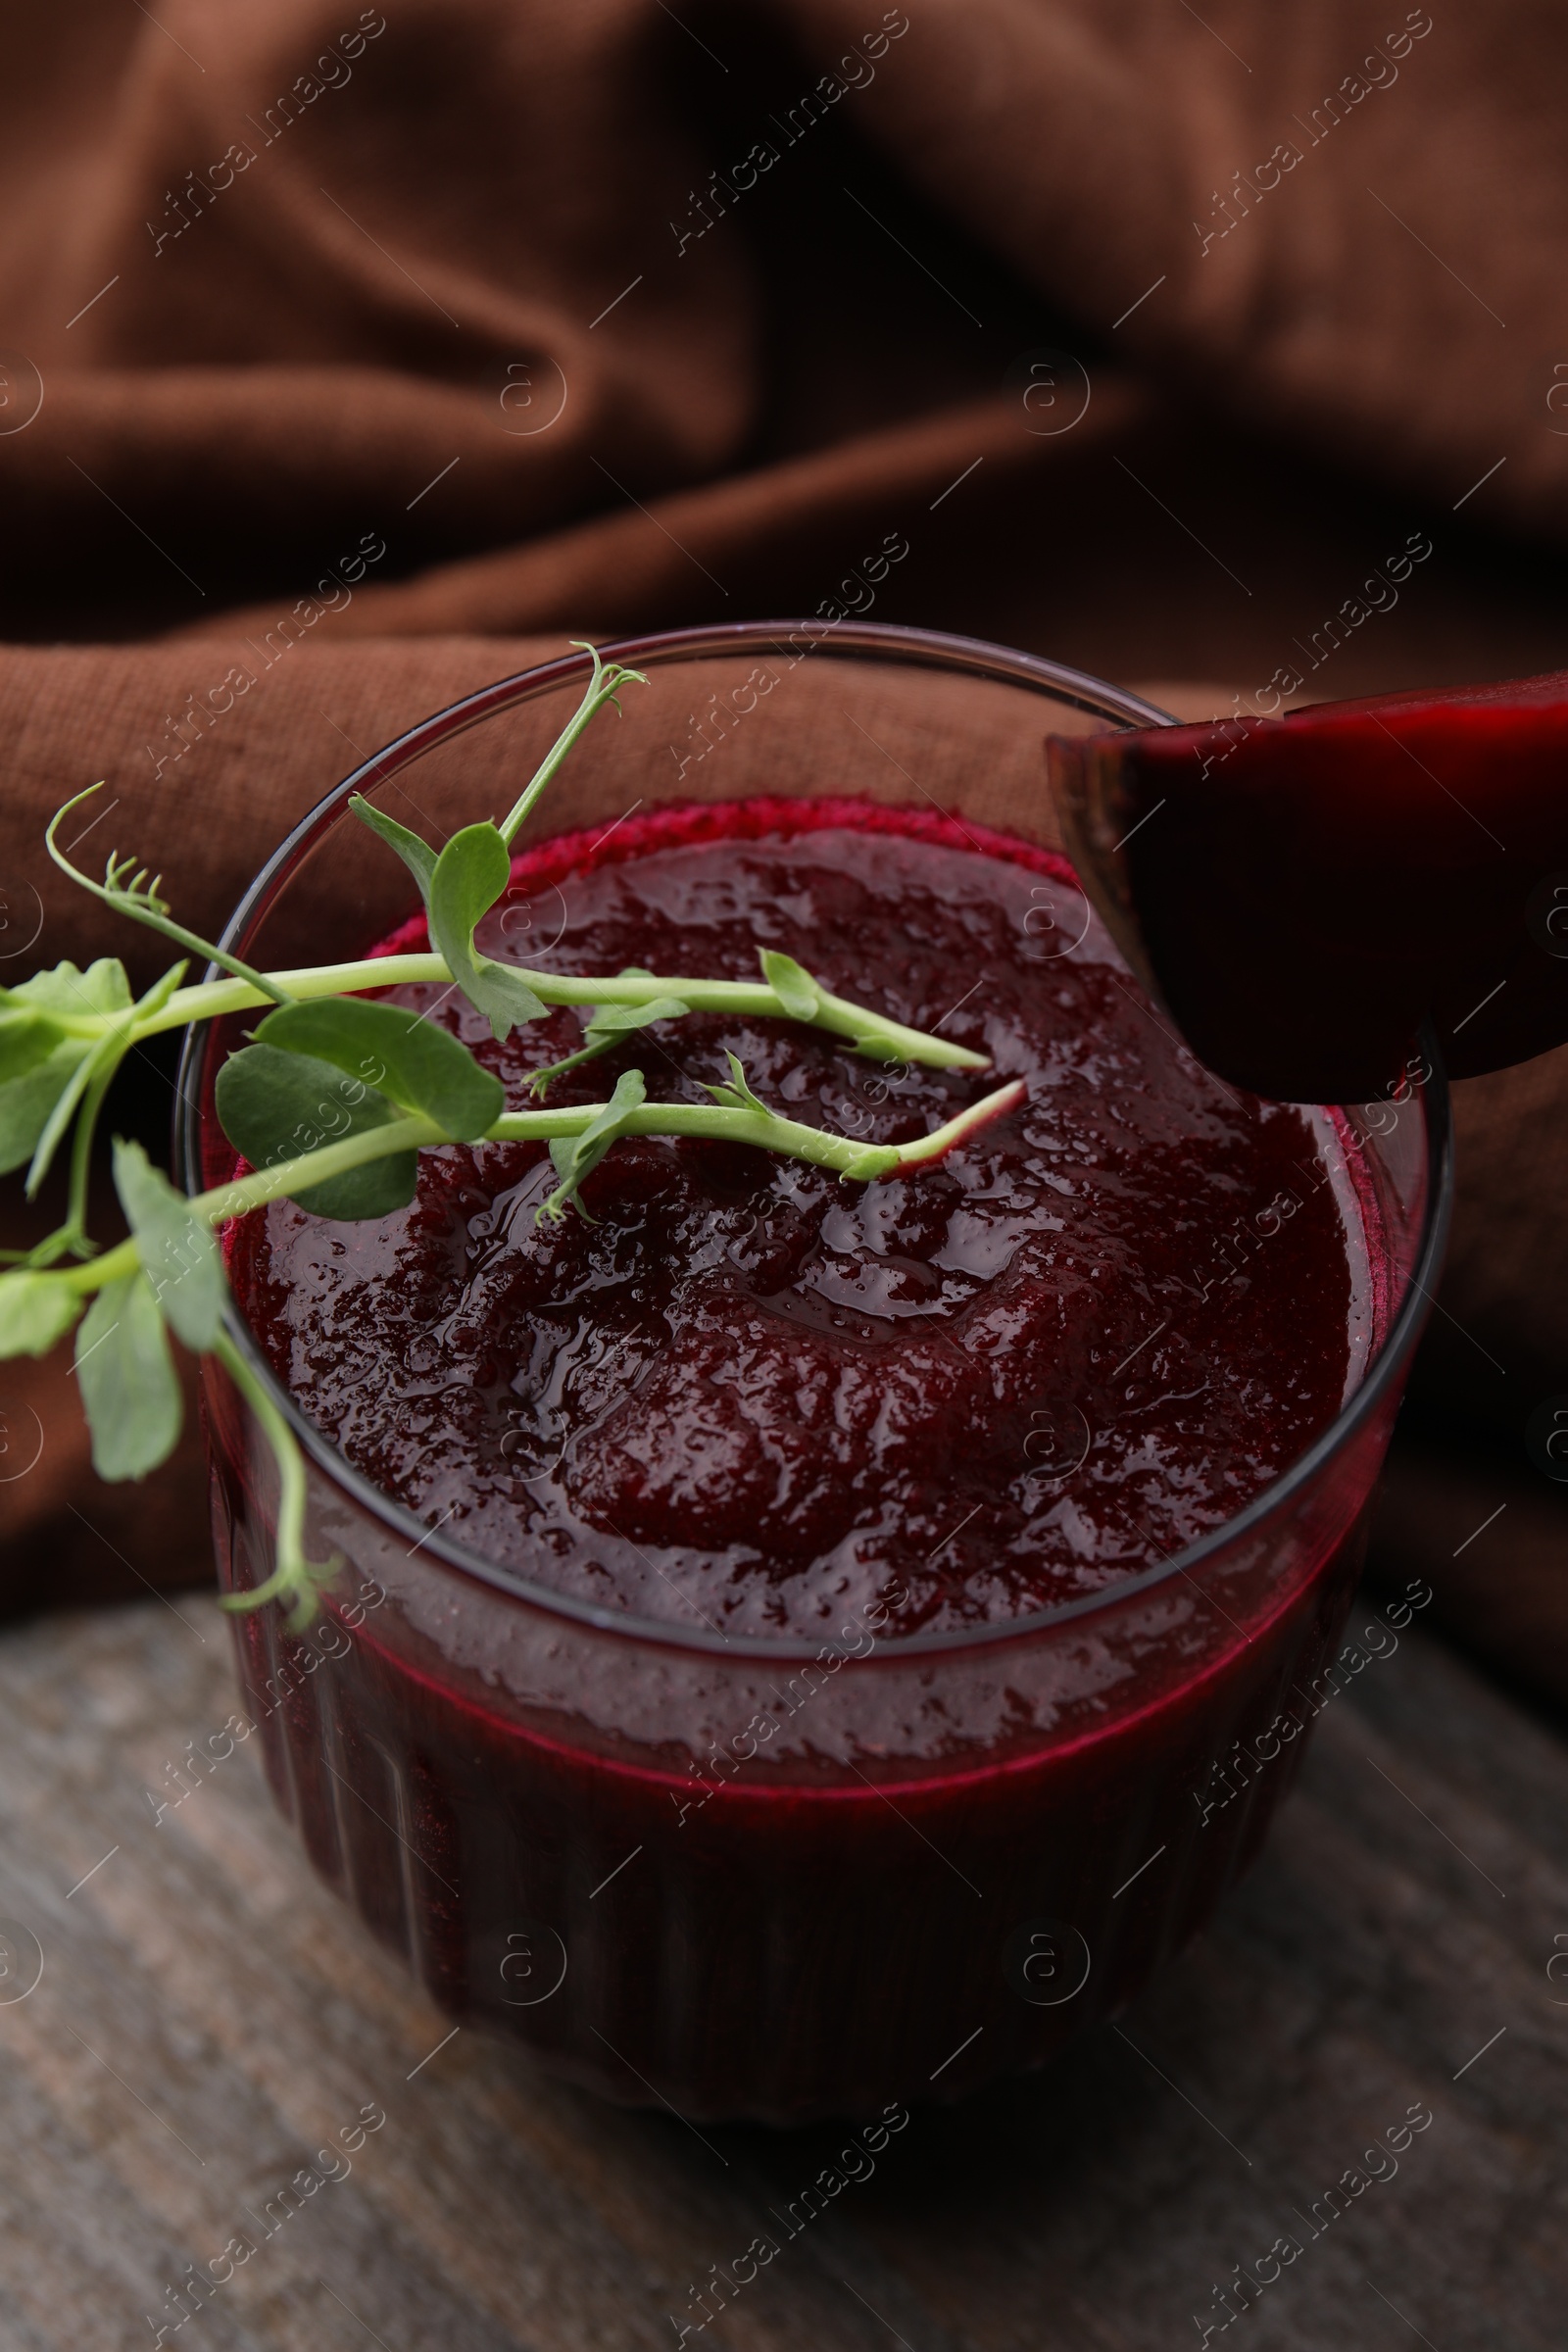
{"points": [[821, 1682]]}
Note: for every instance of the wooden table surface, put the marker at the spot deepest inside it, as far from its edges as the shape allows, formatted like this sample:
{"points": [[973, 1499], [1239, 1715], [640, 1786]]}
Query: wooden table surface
{"points": [[208, 2018]]}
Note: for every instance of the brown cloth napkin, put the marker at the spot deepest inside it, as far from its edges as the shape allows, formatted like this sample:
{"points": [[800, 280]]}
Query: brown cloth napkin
{"points": [[1158, 335]]}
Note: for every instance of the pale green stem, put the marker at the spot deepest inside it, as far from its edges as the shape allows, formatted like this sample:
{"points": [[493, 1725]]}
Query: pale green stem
{"points": [[210, 999], [602, 687], [293, 1573], [762, 1128], [141, 902]]}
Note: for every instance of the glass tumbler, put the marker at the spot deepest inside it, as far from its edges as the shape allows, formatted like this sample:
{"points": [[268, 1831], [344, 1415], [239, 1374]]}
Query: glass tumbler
{"points": [[773, 1878]]}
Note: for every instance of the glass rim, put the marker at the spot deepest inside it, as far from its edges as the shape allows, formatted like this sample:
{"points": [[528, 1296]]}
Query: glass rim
{"points": [[939, 650]]}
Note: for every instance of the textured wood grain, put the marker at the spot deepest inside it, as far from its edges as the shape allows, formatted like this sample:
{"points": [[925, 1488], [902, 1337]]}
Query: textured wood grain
{"points": [[208, 2018]]}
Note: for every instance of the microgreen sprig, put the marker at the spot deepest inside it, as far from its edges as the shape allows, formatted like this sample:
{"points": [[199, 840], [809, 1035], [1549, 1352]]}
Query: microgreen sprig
{"points": [[331, 1104], [129, 889]]}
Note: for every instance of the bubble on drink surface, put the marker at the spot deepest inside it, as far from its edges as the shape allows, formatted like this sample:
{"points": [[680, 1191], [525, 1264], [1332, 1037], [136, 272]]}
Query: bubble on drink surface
{"points": [[1546, 914], [21, 1438], [1546, 1439], [1046, 1962], [21, 392], [21, 1961], [21, 918], [528, 1962], [1052, 388]]}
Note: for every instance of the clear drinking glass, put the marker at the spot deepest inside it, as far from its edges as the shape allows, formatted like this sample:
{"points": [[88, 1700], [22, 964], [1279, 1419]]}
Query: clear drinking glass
{"points": [[949, 1853]]}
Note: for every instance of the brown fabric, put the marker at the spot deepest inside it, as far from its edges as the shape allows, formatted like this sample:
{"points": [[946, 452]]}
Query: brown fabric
{"points": [[1154, 331]]}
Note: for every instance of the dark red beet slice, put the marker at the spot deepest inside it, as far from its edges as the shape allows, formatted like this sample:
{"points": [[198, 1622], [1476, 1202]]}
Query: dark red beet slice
{"points": [[1304, 893]]}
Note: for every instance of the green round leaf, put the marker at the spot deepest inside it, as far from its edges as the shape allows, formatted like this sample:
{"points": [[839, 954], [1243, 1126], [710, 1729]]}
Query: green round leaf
{"points": [[790, 982], [35, 1310], [178, 1254], [130, 1389], [277, 1107], [471, 874], [26, 1039], [423, 1067]]}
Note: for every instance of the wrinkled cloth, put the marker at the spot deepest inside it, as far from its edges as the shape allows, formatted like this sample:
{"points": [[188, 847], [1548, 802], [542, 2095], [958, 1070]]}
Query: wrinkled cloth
{"points": [[351, 357]]}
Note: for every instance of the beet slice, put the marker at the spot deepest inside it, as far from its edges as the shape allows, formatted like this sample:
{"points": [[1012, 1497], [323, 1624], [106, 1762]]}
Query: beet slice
{"points": [[1305, 893]]}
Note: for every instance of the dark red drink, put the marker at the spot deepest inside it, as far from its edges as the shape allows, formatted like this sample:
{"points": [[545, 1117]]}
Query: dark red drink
{"points": [[783, 1699]]}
